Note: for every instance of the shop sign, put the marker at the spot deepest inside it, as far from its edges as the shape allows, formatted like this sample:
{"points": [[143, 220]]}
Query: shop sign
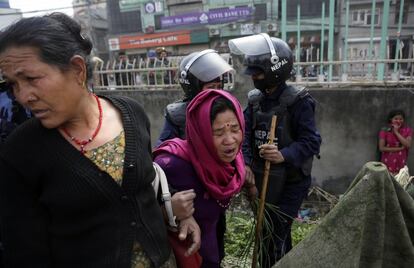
{"points": [[154, 40], [250, 28], [150, 7], [113, 44], [216, 16], [158, 7]]}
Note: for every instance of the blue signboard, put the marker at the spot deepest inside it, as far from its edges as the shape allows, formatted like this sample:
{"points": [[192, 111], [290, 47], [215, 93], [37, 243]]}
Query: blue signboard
{"points": [[216, 16], [4, 4]]}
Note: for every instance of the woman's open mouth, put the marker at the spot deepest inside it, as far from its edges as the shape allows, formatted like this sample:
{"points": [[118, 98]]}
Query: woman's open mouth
{"points": [[40, 113], [230, 152]]}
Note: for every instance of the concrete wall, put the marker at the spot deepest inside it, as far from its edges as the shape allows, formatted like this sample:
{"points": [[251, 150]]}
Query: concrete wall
{"points": [[348, 119]]}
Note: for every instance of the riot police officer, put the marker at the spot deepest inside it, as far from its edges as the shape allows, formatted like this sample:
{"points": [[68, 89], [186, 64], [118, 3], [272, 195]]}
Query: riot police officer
{"points": [[198, 71], [269, 61]]}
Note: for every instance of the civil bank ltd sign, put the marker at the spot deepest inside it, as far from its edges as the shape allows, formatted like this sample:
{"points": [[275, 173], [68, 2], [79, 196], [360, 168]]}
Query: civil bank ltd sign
{"points": [[215, 16]]}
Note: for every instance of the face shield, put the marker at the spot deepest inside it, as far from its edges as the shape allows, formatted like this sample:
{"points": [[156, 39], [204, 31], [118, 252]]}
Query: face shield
{"points": [[250, 45], [208, 66]]}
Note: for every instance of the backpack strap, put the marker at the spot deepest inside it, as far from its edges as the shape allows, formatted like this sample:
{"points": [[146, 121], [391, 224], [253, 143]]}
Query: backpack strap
{"points": [[161, 179]]}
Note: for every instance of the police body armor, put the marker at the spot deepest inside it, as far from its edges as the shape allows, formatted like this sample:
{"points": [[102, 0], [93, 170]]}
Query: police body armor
{"points": [[261, 120], [175, 113]]}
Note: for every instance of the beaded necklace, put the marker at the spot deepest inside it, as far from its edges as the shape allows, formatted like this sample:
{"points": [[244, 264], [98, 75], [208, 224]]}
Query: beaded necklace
{"points": [[225, 206], [83, 143]]}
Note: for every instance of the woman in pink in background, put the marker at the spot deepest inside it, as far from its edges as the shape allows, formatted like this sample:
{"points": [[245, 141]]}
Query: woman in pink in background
{"points": [[394, 142]]}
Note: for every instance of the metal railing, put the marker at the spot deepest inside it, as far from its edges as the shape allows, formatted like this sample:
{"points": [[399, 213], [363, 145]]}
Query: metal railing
{"points": [[155, 74], [141, 73], [355, 72]]}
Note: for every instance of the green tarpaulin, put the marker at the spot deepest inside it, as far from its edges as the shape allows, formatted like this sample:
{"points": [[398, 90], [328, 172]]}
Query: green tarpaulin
{"points": [[371, 226]]}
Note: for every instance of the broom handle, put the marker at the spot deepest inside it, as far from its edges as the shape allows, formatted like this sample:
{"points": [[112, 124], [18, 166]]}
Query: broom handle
{"points": [[260, 210]]}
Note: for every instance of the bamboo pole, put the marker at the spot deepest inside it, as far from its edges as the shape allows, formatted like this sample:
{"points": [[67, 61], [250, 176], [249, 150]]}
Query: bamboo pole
{"points": [[260, 210]]}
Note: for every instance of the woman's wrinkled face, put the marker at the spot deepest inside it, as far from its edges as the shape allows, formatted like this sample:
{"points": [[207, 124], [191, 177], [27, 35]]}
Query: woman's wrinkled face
{"points": [[43, 88], [227, 135], [397, 120]]}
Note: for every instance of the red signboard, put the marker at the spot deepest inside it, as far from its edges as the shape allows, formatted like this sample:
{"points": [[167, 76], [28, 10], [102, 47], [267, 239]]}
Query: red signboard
{"points": [[154, 40]]}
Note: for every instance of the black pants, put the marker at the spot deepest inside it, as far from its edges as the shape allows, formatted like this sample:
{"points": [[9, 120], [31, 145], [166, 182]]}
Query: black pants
{"points": [[1, 255], [277, 242]]}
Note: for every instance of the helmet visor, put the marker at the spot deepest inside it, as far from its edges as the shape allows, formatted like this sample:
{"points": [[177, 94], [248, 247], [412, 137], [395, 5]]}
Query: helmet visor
{"points": [[253, 70], [249, 45], [209, 67]]}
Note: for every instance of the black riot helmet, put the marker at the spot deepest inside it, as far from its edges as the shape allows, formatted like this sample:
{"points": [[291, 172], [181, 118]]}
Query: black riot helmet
{"points": [[200, 68], [264, 54]]}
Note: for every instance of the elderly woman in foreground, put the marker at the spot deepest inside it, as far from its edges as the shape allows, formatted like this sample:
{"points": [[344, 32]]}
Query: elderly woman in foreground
{"points": [[75, 185]]}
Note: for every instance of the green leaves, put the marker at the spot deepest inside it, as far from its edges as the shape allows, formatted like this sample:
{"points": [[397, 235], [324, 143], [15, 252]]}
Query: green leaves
{"points": [[241, 224], [300, 230]]}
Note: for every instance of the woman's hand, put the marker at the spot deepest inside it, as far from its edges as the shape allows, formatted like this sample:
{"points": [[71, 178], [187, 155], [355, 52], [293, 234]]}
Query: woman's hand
{"points": [[249, 179], [189, 229], [383, 148], [396, 128], [271, 153], [406, 142], [250, 184], [183, 204]]}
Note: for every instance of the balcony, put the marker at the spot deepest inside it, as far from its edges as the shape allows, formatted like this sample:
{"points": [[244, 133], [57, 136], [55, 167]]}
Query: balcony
{"points": [[181, 2]]}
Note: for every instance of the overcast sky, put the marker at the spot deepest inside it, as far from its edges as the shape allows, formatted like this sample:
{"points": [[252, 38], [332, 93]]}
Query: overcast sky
{"points": [[47, 6]]}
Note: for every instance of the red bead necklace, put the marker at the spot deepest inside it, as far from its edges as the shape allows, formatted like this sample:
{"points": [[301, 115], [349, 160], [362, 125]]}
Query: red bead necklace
{"points": [[83, 143]]}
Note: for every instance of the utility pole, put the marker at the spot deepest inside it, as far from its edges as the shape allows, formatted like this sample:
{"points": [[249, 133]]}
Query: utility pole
{"points": [[90, 27]]}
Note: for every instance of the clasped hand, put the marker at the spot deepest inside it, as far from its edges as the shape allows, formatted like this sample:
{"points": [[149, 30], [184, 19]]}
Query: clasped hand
{"points": [[189, 229], [271, 153], [183, 208]]}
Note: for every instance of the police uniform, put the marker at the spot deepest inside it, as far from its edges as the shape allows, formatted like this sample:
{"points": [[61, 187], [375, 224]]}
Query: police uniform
{"points": [[174, 125], [297, 139], [270, 61], [12, 114]]}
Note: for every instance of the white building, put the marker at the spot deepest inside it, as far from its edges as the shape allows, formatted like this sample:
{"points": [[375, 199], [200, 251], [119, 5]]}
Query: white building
{"points": [[92, 16], [8, 15]]}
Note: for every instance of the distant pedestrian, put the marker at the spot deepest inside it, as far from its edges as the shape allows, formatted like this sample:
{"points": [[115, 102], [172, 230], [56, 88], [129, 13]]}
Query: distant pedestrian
{"points": [[162, 61]]}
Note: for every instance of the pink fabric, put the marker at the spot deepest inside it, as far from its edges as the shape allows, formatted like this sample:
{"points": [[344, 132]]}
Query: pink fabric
{"points": [[222, 180], [394, 160]]}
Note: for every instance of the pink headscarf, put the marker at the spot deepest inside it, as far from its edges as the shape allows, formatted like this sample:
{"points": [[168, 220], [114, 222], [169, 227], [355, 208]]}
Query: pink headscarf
{"points": [[222, 180]]}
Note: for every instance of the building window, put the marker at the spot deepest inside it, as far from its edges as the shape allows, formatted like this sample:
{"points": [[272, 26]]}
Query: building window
{"points": [[405, 11], [376, 18], [260, 12], [363, 16]]}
